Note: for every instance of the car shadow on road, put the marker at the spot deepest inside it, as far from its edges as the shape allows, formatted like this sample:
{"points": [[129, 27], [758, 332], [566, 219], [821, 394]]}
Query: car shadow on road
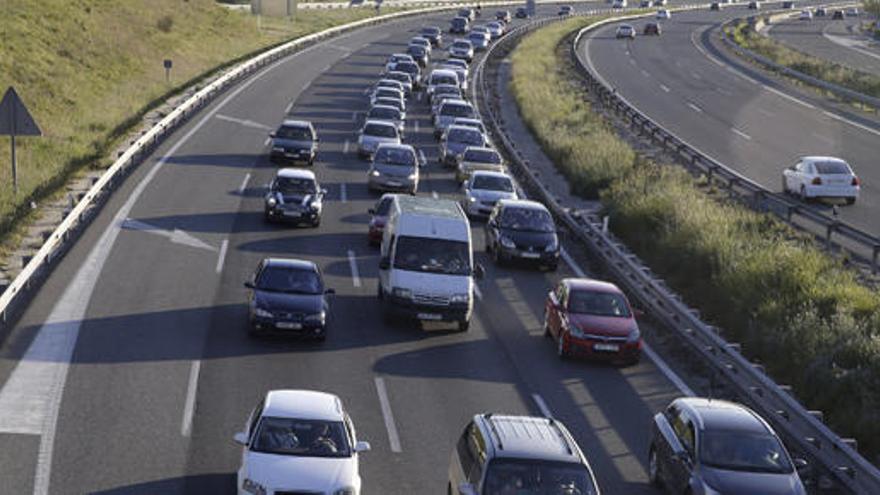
{"points": [[215, 483]]}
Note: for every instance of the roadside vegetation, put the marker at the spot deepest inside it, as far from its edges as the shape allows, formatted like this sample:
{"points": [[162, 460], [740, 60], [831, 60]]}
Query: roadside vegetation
{"points": [[795, 309], [88, 70], [745, 36]]}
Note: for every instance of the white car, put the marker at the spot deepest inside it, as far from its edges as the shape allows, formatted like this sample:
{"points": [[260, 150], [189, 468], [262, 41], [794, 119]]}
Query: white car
{"points": [[496, 29], [374, 133], [462, 48], [483, 190], [386, 92], [398, 57], [663, 14], [806, 15], [625, 31], [821, 177], [618, 4], [299, 441]]}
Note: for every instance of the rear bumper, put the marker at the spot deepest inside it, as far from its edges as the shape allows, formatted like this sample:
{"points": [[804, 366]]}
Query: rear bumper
{"points": [[832, 191]]}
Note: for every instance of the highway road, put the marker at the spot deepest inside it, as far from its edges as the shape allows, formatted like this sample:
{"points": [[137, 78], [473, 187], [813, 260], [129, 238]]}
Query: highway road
{"points": [[131, 370], [687, 82], [836, 41]]}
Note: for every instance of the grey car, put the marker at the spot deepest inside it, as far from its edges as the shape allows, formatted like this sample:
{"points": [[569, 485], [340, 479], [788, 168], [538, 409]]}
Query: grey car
{"points": [[707, 447], [395, 167], [457, 139], [463, 49], [447, 113], [389, 114], [374, 133], [295, 141], [484, 189]]}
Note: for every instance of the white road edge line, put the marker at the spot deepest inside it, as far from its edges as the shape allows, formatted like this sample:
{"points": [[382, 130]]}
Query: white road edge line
{"points": [[393, 437], [189, 407], [741, 134], [222, 256], [434, 194], [656, 359], [305, 86], [289, 107], [355, 275], [244, 183], [850, 122], [542, 406], [267, 141], [343, 192], [788, 97]]}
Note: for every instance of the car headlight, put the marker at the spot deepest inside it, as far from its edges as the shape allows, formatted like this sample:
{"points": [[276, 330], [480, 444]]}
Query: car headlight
{"points": [[253, 487], [459, 299], [575, 331], [634, 335], [271, 202], [375, 173], [262, 313], [345, 491], [402, 293], [411, 176], [472, 199], [315, 205], [279, 149], [317, 318], [507, 242], [552, 246]]}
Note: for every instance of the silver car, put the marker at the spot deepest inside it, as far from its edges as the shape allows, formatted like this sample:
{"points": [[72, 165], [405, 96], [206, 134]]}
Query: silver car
{"points": [[456, 140], [479, 39], [485, 188], [477, 158], [447, 113], [401, 77], [386, 92], [395, 167], [389, 114], [463, 49], [374, 133]]}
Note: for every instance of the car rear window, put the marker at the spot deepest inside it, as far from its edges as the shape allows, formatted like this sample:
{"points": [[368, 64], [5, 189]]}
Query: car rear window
{"points": [[294, 133], [832, 168], [380, 130], [395, 156], [469, 136], [482, 156], [400, 76], [384, 206], [384, 113], [444, 79], [457, 110], [387, 92]]}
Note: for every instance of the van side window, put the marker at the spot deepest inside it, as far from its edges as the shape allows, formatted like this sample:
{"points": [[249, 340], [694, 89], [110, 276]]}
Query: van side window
{"points": [[477, 448], [255, 416], [684, 430], [464, 453]]}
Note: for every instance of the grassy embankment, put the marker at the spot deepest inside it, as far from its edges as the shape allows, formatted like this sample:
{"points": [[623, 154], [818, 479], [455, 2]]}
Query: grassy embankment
{"points": [[745, 36], [88, 70], [794, 308]]}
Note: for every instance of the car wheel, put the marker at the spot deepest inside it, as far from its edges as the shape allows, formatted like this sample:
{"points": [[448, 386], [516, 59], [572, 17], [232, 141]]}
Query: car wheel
{"points": [[561, 351], [654, 476], [464, 325], [803, 194], [321, 337], [316, 222], [252, 331], [850, 201]]}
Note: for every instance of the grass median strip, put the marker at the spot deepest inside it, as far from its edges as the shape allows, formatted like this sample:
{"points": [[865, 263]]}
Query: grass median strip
{"points": [[795, 309]]}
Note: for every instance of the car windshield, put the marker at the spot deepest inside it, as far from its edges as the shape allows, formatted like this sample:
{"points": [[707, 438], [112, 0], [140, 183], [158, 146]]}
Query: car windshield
{"points": [[482, 156], [289, 185], [380, 130], [597, 303], [418, 50], [457, 110], [462, 45], [467, 136], [832, 168], [741, 451], [391, 102], [444, 79], [386, 92], [459, 22], [476, 35], [399, 76], [530, 219], [531, 477], [492, 183], [383, 207], [301, 437], [288, 279], [384, 113], [395, 156], [294, 133], [421, 254]]}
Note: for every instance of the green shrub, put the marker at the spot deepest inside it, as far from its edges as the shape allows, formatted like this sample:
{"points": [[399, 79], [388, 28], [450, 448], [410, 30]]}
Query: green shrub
{"points": [[794, 308]]}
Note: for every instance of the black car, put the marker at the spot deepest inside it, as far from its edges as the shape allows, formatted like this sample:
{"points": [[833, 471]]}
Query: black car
{"points": [[754, 5], [564, 10], [522, 230], [701, 446], [821, 12], [788, 4], [837, 15], [521, 13], [470, 14], [459, 25], [294, 196], [432, 34], [294, 142], [419, 54], [652, 28], [288, 297], [715, 6], [503, 15]]}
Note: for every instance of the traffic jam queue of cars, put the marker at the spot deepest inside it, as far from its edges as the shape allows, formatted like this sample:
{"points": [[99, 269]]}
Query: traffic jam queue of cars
{"points": [[301, 441]]}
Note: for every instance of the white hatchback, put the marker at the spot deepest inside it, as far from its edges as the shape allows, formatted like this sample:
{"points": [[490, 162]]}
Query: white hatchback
{"points": [[299, 441], [821, 177]]}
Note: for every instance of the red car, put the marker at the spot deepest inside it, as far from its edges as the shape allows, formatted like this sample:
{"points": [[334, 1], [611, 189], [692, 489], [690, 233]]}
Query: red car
{"points": [[379, 217], [592, 319]]}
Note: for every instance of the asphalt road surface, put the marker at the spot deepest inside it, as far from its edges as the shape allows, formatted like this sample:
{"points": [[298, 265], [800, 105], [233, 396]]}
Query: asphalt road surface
{"points": [[131, 370]]}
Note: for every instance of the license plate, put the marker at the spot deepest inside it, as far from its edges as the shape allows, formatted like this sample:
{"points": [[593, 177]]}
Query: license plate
{"points": [[292, 155], [394, 183], [429, 316], [606, 347], [291, 213], [287, 325], [530, 255]]}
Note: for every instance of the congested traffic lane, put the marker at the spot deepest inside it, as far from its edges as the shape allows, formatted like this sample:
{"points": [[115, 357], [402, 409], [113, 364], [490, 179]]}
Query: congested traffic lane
{"points": [[163, 374], [685, 83]]}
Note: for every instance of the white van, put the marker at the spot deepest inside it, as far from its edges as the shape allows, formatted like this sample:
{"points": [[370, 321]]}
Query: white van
{"points": [[426, 268]]}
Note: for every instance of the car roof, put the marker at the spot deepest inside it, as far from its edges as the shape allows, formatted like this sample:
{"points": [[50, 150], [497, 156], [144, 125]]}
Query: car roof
{"points": [[715, 414], [290, 263], [465, 127], [303, 404], [296, 123], [816, 158], [591, 284], [490, 173], [295, 173], [379, 122], [466, 121], [406, 147], [481, 148], [444, 72], [456, 101], [522, 203], [528, 437], [384, 107]]}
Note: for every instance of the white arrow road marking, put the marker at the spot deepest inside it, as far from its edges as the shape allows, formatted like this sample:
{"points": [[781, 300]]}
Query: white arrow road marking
{"points": [[244, 122], [176, 236], [542, 406]]}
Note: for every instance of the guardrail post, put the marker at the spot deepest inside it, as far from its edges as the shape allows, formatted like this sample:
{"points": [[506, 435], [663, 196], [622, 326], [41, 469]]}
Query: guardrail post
{"points": [[828, 231], [876, 251]]}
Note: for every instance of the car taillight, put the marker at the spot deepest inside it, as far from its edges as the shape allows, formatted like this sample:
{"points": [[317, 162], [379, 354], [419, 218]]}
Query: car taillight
{"points": [[856, 181], [817, 181]]}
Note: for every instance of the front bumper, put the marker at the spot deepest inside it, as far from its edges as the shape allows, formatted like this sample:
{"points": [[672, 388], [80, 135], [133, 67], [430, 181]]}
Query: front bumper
{"points": [[302, 156], [407, 309], [285, 326], [292, 216], [602, 350], [391, 184], [538, 256]]}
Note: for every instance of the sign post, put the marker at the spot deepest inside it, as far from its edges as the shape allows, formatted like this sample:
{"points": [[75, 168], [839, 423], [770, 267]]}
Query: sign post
{"points": [[168, 63], [15, 120]]}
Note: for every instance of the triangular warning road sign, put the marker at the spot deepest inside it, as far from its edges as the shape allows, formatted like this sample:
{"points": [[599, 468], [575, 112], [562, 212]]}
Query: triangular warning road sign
{"points": [[15, 118]]}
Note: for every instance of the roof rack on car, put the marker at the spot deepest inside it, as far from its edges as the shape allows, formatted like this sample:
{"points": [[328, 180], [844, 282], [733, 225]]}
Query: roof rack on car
{"points": [[495, 431]]}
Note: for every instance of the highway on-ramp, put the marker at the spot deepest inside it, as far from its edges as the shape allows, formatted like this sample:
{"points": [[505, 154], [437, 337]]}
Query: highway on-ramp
{"points": [[131, 370]]}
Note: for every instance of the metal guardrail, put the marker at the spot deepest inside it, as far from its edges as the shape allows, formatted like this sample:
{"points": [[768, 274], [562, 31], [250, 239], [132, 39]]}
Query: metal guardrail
{"points": [[426, 3], [837, 456], [836, 89]]}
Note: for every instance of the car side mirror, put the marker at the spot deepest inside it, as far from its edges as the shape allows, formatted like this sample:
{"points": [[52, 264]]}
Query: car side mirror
{"points": [[240, 438], [362, 447], [329, 291], [638, 312], [249, 285], [466, 489], [800, 464], [272, 135], [371, 211], [479, 271], [385, 263]]}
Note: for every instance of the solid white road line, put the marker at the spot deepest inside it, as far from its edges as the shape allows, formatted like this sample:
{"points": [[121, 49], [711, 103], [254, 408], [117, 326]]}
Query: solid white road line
{"points": [[545, 411], [664, 88], [222, 256], [850, 122], [695, 108], [289, 107], [305, 86], [571, 263], [343, 192], [189, 407], [416, 127], [243, 122], [393, 437], [31, 398], [788, 97], [645, 73], [696, 75], [741, 134], [355, 275], [244, 183], [478, 293]]}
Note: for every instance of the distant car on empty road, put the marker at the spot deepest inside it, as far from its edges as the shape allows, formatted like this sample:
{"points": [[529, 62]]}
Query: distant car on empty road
{"points": [[821, 177], [625, 31], [288, 296]]}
